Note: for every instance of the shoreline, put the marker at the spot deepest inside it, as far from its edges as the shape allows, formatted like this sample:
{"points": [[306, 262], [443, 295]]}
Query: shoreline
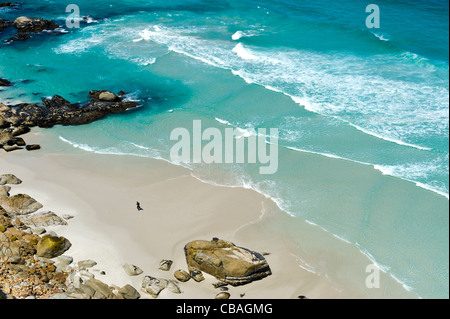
{"points": [[111, 247], [178, 208], [321, 221]]}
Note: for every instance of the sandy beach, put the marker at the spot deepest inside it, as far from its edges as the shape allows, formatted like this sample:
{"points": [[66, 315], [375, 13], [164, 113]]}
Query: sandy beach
{"points": [[100, 191]]}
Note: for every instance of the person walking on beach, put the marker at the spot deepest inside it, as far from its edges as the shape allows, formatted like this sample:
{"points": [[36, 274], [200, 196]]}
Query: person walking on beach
{"points": [[138, 206]]}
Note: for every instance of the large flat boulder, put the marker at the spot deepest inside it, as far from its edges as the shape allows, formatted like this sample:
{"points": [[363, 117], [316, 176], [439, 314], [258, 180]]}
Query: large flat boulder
{"points": [[9, 179], [225, 261], [20, 204], [42, 219]]}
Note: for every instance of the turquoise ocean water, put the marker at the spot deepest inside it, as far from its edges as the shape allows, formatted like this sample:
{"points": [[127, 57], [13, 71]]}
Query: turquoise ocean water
{"points": [[362, 113]]}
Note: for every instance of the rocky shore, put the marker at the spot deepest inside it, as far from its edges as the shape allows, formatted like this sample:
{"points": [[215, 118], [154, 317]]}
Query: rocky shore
{"points": [[16, 120], [35, 262], [25, 27]]}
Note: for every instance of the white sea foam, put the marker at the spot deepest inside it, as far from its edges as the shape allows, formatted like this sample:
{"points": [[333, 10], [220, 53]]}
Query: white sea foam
{"points": [[237, 35], [385, 269], [140, 146], [60, 30], [144, 61], [412, 172], [91, 37], [329, 155], [321, 83], [114, 150], [239, 74], [241, 34], [440, 192], [84, 19], [159, 35], [240, 181], [396, 108], [133, 97], [83, 147], [244, 53], [89, 19], [324, 229], [223, 121], [390, 139], [410, 56], [380, 36], [245, 132], [415, 170], [120, 43], [406, 172]]}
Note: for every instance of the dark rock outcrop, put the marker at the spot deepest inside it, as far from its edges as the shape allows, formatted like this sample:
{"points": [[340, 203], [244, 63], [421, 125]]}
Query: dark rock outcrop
{"points": [[4, 82], [225, 261], [33, 25], [16, 120], [7, 4], [58, 111], [5, 24], [26, 26], [32, 147], [19, 37]]}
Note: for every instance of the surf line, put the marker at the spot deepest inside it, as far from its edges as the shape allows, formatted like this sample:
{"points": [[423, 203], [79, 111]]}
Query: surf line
{"points": [[234, 146]]}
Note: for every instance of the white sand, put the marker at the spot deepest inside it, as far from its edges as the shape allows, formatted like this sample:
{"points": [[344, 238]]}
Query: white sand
{"points": [[100, 191]]}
